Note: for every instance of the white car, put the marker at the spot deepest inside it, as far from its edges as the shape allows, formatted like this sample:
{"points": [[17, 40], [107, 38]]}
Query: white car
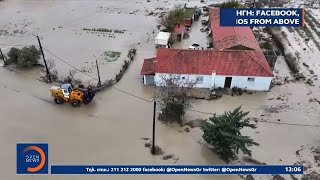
{"points": [[194, 46]]}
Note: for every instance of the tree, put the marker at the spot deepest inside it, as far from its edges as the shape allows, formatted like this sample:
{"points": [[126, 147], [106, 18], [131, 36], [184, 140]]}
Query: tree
{"points": [[13, 55], [173, 17], [174, 97], [232, 4], [223, 133], [24, 57]]}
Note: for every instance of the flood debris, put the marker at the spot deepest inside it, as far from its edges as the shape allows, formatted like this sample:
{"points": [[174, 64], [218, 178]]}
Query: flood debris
{"points": [[147, 144], [310, 82], [278, 81], [157, 150], [195, 123], [293, 177], [299, 76], [166, 157], [252, 161], [275, 109], [316, 152], [305, 64], [249, 177], [313, 175], [214, 95], [237, 91], [176, 160], [278, 177], [298, 152]]}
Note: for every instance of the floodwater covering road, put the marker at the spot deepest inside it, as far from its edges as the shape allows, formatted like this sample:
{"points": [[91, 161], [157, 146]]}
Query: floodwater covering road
{"points": [[109, 130]]}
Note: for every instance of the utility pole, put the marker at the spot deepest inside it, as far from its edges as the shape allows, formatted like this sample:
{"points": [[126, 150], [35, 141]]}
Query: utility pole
{"points": [[4, 61], [154, 126], [99, 83], [44, 59]]}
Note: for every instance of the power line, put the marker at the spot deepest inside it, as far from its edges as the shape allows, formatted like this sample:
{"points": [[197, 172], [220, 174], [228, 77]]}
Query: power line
{"points": [[94, 77], [192, 110], [133, 95], [69, 64], [210, 113], [292, 124]]}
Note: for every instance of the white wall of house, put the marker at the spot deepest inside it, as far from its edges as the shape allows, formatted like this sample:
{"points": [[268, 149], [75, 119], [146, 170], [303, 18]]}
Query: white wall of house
{"points": [[254, 83], [201, 81], [148, 79], [215, 81]]}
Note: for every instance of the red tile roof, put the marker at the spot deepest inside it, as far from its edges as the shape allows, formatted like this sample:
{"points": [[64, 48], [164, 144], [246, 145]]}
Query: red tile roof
{"points": [[179, 29], [226, 37], [148, 66], [226, 62]]}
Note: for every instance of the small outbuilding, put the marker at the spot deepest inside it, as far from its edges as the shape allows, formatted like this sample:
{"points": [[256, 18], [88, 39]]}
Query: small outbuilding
{"points": [[162, 39], [148, 71]]}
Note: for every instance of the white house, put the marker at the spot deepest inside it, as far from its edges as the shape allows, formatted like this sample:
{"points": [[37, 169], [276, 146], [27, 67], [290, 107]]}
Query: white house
{"points": [[236, 61], [162, 39], [210, 68]]}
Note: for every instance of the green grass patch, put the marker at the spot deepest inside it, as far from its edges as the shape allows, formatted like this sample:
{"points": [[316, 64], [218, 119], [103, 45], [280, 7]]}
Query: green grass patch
{"points": [[111, 55]]}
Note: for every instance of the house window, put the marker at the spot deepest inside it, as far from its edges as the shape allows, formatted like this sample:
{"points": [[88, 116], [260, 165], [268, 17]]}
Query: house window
{"points": [[199, 79], [251, 79]]}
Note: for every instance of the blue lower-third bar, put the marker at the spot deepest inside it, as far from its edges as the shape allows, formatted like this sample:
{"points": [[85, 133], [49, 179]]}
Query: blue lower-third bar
{"points": [[177, 169]]}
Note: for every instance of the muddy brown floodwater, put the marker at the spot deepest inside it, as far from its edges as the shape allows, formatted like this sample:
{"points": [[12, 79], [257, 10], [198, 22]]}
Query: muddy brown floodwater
{"points": [[109, 130]]}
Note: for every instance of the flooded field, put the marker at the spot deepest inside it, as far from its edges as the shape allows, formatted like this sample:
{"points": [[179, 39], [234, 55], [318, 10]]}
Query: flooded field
{"points": [[109, 130]]}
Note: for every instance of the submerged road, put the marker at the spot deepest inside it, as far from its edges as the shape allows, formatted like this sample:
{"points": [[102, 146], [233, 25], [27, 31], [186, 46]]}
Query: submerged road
{"points": [[107, 131]]}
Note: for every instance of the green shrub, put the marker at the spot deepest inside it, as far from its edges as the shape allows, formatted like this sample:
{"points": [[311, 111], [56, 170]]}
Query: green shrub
{"points": [[232, 4], [13, 55], [267, 45], [24, 57]]}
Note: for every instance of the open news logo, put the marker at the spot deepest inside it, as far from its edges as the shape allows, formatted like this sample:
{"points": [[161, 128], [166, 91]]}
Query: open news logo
{"points": [[32, 158]]}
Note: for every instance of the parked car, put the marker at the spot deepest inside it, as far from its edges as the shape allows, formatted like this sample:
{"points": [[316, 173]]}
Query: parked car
{"points": [[204, 22], [188, 27], [194, 46]]}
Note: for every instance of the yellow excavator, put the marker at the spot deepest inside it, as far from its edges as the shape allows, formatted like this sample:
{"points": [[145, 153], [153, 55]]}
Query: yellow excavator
{"points": [[76, 96]]}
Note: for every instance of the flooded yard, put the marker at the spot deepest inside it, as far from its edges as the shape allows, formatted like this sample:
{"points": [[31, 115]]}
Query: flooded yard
{"points": [[109, 130]]}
